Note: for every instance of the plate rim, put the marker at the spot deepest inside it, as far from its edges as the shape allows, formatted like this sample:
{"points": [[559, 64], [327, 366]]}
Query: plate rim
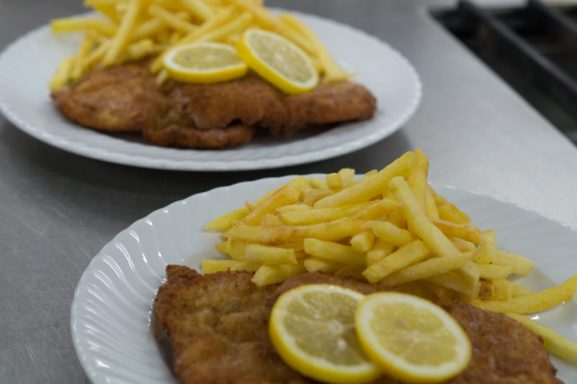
{"points": [[104, 154], [82, 356]]}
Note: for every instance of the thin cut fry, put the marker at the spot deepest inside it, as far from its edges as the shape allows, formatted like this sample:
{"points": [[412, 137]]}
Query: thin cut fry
{"points": [[536, 302], [122, 37], [554, 343]]}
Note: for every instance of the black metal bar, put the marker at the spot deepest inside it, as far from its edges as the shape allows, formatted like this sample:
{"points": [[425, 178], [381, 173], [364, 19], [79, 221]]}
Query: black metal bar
{"points": [[528, 60], [563, 26]]}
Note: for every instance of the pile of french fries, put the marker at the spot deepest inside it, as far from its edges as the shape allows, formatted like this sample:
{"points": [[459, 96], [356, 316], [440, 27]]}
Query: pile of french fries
{"points": [[388, 227], [132, 30]]}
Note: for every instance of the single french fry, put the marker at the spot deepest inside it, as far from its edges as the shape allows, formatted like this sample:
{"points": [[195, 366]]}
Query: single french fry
{"points": [[284, 196], [494, 272], [536, 302], [458, 281], [503, 291], [82, 24], [331, 251], [464, 231], [83, 51], [227, 220], [141, 49], [293, 207], [210, 266], [262, 254], [238, 25], [61, 76], [368, 188], [463, 245], [347, 176], [419, 223], [450, 212], [363, 241], [319, 215], [105, 7], [314, 264], [169, 18], [378, 209], [390, 233], [427, 268], [312, 195], [554, 343], [269, 274], [270, 220], [263, 16], [407, 255], [148, 29], [122, 36], [484, 254], [418, 178], [486, 289], [318, 183], [332, 231], [521, 265], [430, 206], [198, 9], [334, 181], [222, 247], [380, 250], [489, 238]]}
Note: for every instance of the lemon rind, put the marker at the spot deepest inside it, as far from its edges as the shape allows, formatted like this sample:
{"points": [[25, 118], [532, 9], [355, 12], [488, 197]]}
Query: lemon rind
{"points": [[257, 64], [399, 368], [309, 365]]}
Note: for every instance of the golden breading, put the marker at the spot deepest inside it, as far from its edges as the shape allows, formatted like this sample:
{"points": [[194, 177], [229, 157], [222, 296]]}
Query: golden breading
{"points": [[120, 99], [218, 331]]}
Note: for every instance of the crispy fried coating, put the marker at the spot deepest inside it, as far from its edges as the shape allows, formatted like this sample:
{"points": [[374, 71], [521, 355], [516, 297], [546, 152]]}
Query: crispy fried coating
{"points": [[175, 135], [126, 98], [120, 99], [327, 105], [247, 100], [217, 326]]}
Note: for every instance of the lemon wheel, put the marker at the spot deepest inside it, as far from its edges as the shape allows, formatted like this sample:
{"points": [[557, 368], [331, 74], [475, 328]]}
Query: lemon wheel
{"points": [[312, 329], [410, 338], [278, 61], [204, 63]]}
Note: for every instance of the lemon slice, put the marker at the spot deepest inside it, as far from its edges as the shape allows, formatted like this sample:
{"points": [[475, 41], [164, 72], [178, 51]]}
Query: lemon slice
{"points": [[278, 61], [204, 63], [410, 338], [312, 329]]}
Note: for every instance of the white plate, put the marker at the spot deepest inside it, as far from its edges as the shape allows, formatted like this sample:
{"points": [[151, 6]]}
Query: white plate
{"points": [[27, 64], [113, 301]]}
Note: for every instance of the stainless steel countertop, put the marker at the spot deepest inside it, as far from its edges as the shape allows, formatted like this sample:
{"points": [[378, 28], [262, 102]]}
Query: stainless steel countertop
{"points": [[57, 209]]}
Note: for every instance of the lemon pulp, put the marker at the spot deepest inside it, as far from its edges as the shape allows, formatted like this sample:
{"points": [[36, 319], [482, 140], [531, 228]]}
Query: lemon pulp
{"points": [[312, 328]]}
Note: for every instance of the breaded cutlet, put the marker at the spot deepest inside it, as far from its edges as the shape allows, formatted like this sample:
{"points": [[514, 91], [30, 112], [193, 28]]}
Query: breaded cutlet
{"points": [[217, 328]]}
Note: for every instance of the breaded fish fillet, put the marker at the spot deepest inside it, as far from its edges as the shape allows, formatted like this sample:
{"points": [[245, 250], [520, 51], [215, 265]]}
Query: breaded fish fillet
{"points": [[217, 326], [120, 99]]}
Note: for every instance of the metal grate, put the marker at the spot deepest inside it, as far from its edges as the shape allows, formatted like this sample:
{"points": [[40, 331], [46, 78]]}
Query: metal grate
{"points": [[533, 48]]}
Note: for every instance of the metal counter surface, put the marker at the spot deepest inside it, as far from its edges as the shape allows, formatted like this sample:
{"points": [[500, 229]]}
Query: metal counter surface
{"points": [[57, 209]]}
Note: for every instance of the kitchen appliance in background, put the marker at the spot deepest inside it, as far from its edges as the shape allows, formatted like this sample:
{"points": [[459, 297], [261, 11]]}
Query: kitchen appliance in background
{"points": [[533, 47]]}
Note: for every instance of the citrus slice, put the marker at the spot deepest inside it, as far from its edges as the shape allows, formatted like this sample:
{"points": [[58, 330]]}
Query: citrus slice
{"points": [[312, 329], [278, 61], [204, 63], [410, 338]]}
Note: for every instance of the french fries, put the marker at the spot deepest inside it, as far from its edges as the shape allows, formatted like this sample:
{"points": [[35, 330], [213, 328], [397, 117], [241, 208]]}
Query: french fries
{"points": [[134, 30], [390, 228]]}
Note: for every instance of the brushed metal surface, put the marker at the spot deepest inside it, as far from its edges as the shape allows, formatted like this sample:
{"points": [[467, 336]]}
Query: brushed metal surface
{"points": [[57, 209]]}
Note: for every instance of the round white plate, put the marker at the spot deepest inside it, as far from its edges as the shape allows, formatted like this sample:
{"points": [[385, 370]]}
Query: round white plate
{"points": [[27, 65], [112, 304]]}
